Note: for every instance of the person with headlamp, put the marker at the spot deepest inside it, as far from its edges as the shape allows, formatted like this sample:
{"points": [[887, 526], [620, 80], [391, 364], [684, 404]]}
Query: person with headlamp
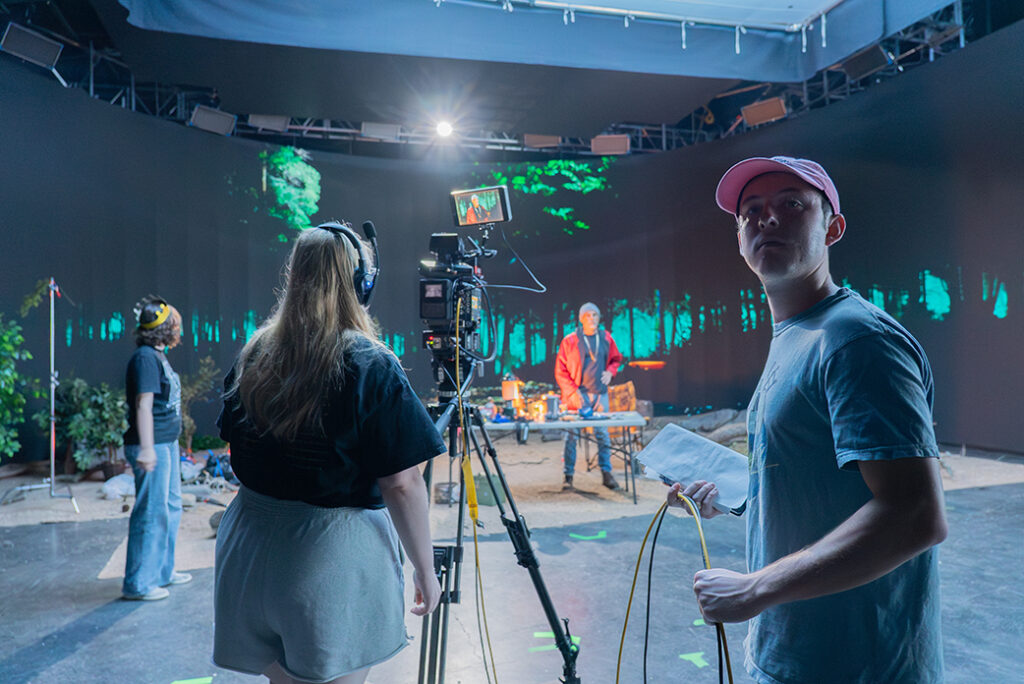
{"points": [[153, 391]]}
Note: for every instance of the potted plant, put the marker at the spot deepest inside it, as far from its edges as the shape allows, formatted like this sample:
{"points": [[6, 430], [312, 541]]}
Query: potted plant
{"points": [[97, 427]]}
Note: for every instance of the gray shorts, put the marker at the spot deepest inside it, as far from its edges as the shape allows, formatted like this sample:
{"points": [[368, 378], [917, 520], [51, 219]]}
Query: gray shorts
{"points": [[319, 590]]}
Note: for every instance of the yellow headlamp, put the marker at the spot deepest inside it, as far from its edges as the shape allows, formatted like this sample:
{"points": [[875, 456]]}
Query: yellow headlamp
{"points": [[161, 316]]}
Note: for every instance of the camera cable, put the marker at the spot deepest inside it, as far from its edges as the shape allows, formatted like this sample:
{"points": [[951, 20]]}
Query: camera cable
{"points": [[723, 646], [472, 502], [493, 353], [541, 287]]}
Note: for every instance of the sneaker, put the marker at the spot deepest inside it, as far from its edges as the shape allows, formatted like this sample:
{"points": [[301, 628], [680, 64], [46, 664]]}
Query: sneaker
{"points": [[154, 594], [608, 481], [179, 578], [568, 482]]}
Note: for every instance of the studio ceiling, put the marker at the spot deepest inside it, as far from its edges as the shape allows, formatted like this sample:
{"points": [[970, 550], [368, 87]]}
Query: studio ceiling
{"points": [[531, 70]]}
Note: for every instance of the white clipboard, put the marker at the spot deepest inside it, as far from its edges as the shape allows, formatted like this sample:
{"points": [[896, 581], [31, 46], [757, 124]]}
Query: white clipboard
{"points": [[678, 455]]}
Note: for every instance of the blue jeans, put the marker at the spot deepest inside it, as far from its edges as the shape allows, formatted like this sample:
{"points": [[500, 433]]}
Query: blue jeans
{"points": [[153, 526], [604, 443]]}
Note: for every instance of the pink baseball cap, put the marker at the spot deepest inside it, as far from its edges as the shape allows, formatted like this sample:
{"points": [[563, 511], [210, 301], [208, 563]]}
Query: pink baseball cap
{"points": [[736, 178]]}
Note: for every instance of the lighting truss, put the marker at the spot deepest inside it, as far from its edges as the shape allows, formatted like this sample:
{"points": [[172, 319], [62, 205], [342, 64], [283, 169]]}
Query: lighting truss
{"points": [[921, 43], [104, 76]]}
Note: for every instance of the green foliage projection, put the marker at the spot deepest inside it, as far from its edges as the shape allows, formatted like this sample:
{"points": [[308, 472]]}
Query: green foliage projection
{"points": [[295, 184], [935, 295], [556, 177], [995, 290], [647, 329], [1001, 306], [875, 296]]}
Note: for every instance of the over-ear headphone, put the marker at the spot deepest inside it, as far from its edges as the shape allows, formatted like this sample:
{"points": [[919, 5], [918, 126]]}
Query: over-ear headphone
{"points": [[365, 275]]}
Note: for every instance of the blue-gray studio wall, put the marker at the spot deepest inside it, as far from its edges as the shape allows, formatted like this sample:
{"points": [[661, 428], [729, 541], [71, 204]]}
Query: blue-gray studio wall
{"points": [[116, 205]]}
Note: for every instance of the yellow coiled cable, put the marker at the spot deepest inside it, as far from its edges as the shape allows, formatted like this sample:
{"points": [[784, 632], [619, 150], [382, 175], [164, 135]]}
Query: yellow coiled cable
{"points": [[720, 628]]}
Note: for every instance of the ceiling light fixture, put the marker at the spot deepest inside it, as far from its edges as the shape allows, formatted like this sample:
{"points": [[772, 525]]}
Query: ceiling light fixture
{"points": [[212, 120], [444, 129], [32, 47]]}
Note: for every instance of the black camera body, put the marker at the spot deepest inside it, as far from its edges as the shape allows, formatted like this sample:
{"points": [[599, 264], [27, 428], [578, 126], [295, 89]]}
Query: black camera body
{"points": [[450, 297], [452, 286]]}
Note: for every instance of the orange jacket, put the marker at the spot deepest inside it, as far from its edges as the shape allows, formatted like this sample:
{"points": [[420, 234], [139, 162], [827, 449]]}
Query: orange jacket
{"points": [[569, 364]]}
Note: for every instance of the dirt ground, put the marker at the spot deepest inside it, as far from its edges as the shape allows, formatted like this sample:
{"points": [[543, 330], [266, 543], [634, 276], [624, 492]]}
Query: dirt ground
{"points": [[533, 471]]}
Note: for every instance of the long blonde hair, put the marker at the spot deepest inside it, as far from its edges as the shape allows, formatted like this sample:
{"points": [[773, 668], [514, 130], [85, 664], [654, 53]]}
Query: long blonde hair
{"points": [[287, 366]]}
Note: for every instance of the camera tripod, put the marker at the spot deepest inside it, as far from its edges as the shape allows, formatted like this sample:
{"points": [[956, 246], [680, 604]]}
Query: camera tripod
{"points": [[448, 558]]}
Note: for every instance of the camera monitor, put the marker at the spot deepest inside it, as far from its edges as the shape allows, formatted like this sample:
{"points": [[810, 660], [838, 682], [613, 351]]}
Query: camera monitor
{"points": [[481, 205]]}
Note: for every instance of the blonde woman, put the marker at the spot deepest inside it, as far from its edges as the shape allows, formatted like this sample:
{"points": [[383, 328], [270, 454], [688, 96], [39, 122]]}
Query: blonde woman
{"points": [[326, 437]]}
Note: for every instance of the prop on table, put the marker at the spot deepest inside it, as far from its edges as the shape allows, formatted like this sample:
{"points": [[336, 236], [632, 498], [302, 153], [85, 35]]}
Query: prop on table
{"points": [[512, 394]]}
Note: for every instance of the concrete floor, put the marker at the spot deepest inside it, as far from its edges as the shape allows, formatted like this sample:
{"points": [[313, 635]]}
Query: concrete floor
{"points": [[61, 619]]}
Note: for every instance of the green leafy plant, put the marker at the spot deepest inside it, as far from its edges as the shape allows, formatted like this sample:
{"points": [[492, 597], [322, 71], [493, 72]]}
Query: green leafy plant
{"points": [[203, 442], [35, 297], [97, 419], [14, 386], [195, 386]]}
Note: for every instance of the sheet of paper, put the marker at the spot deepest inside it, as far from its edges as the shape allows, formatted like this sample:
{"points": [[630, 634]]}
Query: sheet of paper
{"points": [[678, 455]]}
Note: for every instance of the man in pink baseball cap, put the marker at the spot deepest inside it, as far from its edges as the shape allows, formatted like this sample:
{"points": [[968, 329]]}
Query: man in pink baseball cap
{"points": [[845, 501]]}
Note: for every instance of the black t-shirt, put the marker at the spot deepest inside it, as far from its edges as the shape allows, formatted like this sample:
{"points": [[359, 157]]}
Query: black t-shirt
{"points": [[148, 371], [375, 425]]}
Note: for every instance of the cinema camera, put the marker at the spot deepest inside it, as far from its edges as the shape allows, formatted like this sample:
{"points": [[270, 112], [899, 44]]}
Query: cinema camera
{"points": [[452, 284]]}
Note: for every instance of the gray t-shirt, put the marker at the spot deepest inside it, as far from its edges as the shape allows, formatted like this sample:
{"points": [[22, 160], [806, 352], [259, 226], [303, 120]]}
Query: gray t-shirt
{"points": [[843, 383], [594, 356]]}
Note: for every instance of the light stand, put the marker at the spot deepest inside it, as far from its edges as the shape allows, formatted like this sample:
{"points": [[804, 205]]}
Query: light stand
{"points": [[448, 559], [50, 481]]}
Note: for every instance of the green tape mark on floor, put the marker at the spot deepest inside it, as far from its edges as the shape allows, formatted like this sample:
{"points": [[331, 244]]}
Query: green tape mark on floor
{"points": [[699, 622], [197, 680], [695, 658], [600, 535], [549, 647]]}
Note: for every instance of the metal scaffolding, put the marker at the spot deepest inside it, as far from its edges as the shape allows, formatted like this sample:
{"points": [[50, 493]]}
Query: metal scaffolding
{"points": [[101, 72]]}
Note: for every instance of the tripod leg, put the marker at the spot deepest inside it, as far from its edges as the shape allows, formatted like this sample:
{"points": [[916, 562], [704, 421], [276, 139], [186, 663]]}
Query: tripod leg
{"points": [[433, 648], [448, 566], [487, 474], [519, 534]]}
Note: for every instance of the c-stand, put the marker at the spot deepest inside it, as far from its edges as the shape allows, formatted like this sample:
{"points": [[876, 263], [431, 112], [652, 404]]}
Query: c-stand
{"points": [[51, 481], [448, 558]]}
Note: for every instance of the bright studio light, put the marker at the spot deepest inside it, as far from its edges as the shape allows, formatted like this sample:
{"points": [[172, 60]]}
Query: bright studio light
{"points": [[444, 129]]}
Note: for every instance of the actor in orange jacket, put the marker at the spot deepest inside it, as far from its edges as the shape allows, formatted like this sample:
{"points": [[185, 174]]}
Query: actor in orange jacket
{"points": [[587, 360]]}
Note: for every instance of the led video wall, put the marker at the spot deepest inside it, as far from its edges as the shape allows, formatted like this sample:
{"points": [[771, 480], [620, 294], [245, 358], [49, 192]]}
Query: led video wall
{"points": [[116, 205]]}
